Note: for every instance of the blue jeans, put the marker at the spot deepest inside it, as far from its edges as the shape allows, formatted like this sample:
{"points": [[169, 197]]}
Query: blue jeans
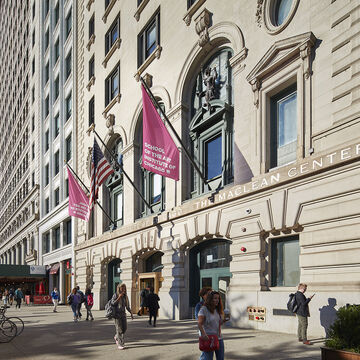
{"points": [[208, 355], [74, 308]]}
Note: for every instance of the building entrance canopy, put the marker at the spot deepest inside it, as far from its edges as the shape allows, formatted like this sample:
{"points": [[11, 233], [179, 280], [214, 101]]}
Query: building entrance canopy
{"points": [[22, 271]]}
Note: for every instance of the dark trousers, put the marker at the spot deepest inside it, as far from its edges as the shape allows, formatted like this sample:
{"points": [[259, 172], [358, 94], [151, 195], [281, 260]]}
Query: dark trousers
{"points": [[18, 303], [78, 310], [302, 327], [152, 314], [88, 312]]}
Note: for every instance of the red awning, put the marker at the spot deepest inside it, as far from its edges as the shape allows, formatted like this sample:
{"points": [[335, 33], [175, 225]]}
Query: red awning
{"points": [[54, 269]]}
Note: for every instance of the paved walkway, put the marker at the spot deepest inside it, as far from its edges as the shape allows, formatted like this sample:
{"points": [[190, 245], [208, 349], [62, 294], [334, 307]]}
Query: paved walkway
{"points": [[49, 335]]}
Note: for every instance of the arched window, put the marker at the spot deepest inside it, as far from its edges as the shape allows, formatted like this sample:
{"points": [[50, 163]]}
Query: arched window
{"points": [[151, 185], [114, 188], [211, 125]]}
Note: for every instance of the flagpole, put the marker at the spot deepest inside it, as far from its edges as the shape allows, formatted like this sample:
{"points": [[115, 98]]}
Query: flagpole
{"points": [[103, 210], [122, 169], [175, 133]]}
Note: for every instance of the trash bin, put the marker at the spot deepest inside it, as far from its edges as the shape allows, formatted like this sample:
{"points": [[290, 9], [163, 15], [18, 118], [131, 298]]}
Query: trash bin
{"points": [[27, 299]]}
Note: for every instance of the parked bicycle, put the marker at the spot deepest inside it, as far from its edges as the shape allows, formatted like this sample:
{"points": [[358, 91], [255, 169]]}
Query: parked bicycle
{"points": [[10, 327]]}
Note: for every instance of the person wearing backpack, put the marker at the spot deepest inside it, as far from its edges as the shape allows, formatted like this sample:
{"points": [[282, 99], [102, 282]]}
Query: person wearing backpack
{"points": [[302, 313], [82, 300], [120, 302], [89, 302]]}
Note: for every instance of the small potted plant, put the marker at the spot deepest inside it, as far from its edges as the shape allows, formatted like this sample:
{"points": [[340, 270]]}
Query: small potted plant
{"points": [[344, 336]]}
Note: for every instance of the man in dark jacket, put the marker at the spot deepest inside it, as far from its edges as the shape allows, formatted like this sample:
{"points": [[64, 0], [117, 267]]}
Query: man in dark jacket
{"points": [[302, 313], [153, 305]]}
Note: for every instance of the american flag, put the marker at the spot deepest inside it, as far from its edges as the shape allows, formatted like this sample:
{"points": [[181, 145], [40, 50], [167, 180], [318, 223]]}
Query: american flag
{"points": [[100, 170]]}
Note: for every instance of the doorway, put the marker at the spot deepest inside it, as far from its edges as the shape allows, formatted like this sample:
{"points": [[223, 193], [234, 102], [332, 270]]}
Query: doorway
{"points": [[114, 271]]}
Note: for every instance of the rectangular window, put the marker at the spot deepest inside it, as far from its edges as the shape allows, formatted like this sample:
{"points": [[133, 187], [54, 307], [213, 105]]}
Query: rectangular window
{"points": [[190, 3], [33, 151], [56, 125], [47, 7], [91, 67], [92, 111], [47, 39], [107, 2], [33, 123], [118, 197], [92, 26], [56, 163], [283, 133], [33, 38], [112, 85], [56, 88], [47, 73], [33, 67], [68, 66], [56, 50], [68, 148], [68, 24], [47, 106], [213, 157], [68, 232], [33, 10], [285, 269], [46, 242], [47, 174], [112, 35], [32, 179], [68, 107], [32, 95], [57, 196], [66, 187], [56, 14], [149, 39], [56, 242], [47, 140]]}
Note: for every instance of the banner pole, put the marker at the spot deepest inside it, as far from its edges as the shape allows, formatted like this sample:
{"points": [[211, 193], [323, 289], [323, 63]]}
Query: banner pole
{"points": [[122, 169], [175, 133], [96, 202]]}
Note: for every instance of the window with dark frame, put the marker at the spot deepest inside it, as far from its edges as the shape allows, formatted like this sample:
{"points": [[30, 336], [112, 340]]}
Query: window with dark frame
{"points": [[92, 26], [92, 111], [33, 38], [68, 232], [56, 14], [68, 106], [68, 66], [47, 7], [68, 24], [68, 148], [92, 67], [56, 242], [56, 88], [47, 39], [112, 85], [107, 2], [33, 151], [56, 163], [56, 125], [57, 196], [33, 67], [67, 187], [47, 175], [33, 179], [47, 72], [285, 268], [33, 10], [56, 50], [149, 38], [46, 237], [190, 3], [47, 106], [112, 34], [47, 140], [283, 127]]}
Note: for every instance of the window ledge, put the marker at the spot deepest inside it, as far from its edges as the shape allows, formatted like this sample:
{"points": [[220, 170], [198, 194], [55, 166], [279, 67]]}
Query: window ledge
{"points": [[107, 10], [56, 27], [57, 62], [91, 41], [88, 5], [192, 10], [69, 36], [140, 9], [115, 100], [91, 82], [156, 54], [115, 46]]}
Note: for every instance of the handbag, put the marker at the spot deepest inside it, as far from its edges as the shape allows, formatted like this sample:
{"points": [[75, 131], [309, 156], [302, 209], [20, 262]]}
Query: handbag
{"points": [[209, 345]]}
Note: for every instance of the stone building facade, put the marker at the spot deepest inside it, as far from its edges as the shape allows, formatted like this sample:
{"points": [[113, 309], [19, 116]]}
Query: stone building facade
{"points": [[278, 141]]}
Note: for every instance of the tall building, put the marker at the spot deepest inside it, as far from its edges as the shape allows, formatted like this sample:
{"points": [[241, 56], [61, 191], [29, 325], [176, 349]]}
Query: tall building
{"points": [[57, 124], [19, 191], [278, 141]]}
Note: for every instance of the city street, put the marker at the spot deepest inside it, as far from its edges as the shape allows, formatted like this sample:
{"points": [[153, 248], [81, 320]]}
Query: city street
{"points": [[49, 335]]}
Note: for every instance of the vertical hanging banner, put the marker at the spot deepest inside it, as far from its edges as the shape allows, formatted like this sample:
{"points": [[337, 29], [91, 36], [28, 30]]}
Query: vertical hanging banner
{"points": [[160, 154], [78, 200]]}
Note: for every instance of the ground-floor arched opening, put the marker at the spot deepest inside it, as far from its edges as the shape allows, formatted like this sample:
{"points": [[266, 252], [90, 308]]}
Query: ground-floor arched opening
{"points": [[114, 271]]}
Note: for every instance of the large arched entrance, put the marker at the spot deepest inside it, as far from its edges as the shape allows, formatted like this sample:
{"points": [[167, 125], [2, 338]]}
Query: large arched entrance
{"points": [[114, 271], [209, 266]]}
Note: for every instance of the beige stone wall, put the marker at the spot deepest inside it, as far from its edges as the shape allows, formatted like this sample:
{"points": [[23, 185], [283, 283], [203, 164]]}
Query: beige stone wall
{"points": [[318, 201]]}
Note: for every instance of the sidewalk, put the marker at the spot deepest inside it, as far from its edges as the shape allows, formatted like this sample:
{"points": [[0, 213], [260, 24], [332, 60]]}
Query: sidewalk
{"points": [[49, 335]]}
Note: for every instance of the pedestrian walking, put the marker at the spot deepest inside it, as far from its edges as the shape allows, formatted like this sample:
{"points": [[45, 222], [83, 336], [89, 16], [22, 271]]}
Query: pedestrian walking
{"points": [[6, 297], [210, 319], [202, 293], [55, 296], [153, 305], [120, 301], [11, 296], [89, 302], [143, 296], [302, 313], [82, 300], [18, 297], [74, 300]]}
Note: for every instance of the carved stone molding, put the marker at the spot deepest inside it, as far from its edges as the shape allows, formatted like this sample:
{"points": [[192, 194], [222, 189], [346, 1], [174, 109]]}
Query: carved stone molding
{"points": [[107, 10], [305, 52], [110, 122], [115, 46], [259, 10], [236, 61], [203, 22], [155, 55], [91, 82], [91, 41], [256, 86], [148, 80], [115, 100], [191, 11], [140, 9]]}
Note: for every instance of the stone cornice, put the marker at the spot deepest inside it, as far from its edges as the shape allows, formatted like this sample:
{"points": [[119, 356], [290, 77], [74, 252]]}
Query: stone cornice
{"points": [[115, 100], [115, 46], [107, 10], [91, 41], [90, 83]]}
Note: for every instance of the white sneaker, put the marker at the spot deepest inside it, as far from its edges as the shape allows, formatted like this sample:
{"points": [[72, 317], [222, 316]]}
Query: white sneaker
{"points": [[121, 347]]}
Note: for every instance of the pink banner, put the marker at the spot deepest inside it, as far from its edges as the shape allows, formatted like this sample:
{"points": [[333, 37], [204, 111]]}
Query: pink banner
{"points": [[78, 200], [160, 154]]}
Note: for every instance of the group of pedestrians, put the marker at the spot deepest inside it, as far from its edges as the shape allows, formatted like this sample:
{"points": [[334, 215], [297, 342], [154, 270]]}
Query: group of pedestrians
{"points": [[11, 295], [76, 298]]}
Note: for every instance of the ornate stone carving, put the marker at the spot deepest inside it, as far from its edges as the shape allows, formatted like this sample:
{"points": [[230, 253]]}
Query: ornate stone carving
{"points": [[305, 52], [256, 86], [148, 80], [203, 22], [209, 78], [110, 122], [259, 10]]}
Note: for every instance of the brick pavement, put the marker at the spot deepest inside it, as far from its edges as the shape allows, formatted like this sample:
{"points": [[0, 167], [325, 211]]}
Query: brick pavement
{"points": [[49, 335]]}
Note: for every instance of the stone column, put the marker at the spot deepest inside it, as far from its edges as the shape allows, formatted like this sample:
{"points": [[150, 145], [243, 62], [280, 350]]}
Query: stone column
{"points": [[22, 250], [62, 282], [14, 255], [51, 240], [62, 240]]}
